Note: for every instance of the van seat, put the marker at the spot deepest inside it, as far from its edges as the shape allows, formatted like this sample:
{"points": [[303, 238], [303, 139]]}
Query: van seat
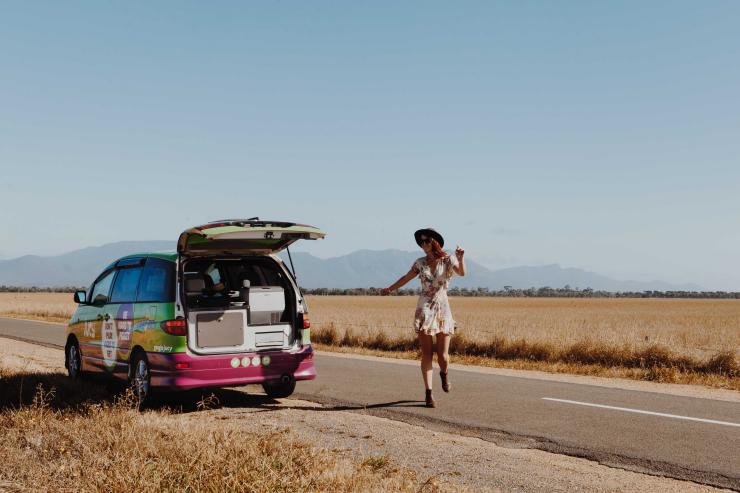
{"points": [[194, 286]]}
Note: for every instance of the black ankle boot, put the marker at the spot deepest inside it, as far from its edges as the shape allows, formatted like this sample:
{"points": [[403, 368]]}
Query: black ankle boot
{"points": [[430, 400], [446, 386]]}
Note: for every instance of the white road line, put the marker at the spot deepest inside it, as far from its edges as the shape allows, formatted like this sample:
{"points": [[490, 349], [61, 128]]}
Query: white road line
{"points": [[639, 411]]}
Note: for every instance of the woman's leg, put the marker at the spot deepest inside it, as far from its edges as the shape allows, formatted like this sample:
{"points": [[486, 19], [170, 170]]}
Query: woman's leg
{"points": [[425, 341], [443, 358], [443, 351]]}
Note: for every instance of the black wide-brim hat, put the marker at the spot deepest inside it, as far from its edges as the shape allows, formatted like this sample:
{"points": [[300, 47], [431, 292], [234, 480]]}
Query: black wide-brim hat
{"points": [[429, 233]]}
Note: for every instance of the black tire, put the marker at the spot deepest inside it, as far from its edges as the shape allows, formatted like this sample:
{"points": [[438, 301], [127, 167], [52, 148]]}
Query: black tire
{"points": [[140, 378], [279, 389], [73, 360]]}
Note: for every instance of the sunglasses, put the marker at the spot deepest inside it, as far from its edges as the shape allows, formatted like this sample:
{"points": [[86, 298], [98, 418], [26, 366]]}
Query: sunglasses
{"points": [[425, 240]]}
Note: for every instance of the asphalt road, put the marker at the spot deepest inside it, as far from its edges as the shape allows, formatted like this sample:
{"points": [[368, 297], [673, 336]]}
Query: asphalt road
{"points": [[680, 437]]}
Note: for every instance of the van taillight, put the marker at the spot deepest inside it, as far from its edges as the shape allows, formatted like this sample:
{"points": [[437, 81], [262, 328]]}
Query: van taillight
{"points": [[306, 321], [176, 327]]}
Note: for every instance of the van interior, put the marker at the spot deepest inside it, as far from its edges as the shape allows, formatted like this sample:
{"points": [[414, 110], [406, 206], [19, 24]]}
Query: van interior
{"points": [[238, 304]]}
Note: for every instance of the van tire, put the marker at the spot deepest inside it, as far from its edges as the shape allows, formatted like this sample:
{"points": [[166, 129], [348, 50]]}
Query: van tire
{"points": [[73, 360], [279, 389], [140, 378]]}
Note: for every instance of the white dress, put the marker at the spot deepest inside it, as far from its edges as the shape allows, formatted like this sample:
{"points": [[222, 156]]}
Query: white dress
{"points": [[433, 314]]}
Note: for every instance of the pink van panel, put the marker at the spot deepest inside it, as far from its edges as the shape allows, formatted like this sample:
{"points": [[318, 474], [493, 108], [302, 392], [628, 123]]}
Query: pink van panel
{"points": [[217, 371]]}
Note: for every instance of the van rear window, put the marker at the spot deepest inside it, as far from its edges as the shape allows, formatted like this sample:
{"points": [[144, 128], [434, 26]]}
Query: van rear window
{"points": [[157, 283]]}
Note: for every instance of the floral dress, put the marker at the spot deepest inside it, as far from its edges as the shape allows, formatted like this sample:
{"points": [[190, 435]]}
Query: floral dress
{"points": [[433, 313]]}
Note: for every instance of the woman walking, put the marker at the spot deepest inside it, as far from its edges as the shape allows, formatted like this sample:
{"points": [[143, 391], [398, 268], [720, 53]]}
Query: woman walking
{"points": [[433, 315]]}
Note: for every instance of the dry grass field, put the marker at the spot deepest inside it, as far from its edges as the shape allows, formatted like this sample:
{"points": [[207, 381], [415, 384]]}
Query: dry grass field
{"points": [[56, 440], [681, 341], [668, 340], [52, 307], [698, 328]]}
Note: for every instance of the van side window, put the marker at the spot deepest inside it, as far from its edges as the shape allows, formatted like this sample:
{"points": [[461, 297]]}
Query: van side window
{"points": [[124, 289], [157, 283], [99, 295]]}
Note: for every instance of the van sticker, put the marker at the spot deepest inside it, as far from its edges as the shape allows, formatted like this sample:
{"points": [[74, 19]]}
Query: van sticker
{"points": [[162, 349], [109, 343], [125, 322]]}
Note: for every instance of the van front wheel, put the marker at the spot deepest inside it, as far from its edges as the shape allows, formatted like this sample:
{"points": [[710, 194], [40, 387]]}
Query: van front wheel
{"points": [[279, 389], [140, 377], [74, 360]]}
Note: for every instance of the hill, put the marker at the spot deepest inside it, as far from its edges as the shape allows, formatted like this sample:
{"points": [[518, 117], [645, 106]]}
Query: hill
{"points": [[359, 269]]}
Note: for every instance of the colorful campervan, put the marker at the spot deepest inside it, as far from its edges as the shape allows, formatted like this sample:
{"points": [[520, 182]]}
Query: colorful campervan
{"points": [[223, 310]]}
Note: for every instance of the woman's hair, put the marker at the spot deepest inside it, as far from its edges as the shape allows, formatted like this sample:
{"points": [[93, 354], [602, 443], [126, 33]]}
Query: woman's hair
{"points": [[437, 251]]}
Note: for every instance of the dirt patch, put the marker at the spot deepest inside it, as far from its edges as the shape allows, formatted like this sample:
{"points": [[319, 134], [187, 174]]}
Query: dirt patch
{"points": [[470, 462]]}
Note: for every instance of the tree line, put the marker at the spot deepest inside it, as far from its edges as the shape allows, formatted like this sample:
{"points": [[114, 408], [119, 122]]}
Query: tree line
{"points": [[38, 289], [507, 292], [544, 292]]}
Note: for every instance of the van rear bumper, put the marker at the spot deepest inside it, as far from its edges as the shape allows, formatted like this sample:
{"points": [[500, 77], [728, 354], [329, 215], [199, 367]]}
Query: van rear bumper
{"points": [[182, 371]]}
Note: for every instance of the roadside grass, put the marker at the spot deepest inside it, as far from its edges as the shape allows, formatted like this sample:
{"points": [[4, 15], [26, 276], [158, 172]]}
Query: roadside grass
{"points": [[40, 315], [588, 357], [662, 340], [48, 307], [61, 435]]}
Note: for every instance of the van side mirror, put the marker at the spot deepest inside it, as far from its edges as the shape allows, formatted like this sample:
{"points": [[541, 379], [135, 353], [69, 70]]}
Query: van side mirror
{"points": [[80, 297]]}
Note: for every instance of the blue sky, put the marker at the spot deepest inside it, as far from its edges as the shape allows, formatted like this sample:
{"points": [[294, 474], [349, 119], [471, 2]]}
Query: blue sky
{"points": [[599, 135]]}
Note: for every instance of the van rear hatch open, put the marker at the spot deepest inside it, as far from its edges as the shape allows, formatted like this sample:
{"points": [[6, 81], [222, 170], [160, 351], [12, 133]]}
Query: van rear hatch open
{"points": [[240, 316], [244, 236]]}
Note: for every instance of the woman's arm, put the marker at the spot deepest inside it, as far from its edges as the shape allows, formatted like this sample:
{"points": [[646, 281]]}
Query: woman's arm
{"points": [[460, 267], [396, 285]]}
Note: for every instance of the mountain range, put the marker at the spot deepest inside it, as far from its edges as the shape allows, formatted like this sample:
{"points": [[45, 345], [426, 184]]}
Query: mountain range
{"points": [[359, 269]]}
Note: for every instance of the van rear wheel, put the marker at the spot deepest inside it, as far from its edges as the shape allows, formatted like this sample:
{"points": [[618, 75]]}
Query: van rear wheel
{"points": [[280, 388]]}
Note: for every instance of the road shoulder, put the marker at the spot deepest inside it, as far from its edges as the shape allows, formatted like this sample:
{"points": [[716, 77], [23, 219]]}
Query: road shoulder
{"points": [[447, 459]]}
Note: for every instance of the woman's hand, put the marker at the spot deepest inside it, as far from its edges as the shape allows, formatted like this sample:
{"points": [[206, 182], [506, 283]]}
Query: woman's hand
{"points": [[460, 267], [459, 253]]}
